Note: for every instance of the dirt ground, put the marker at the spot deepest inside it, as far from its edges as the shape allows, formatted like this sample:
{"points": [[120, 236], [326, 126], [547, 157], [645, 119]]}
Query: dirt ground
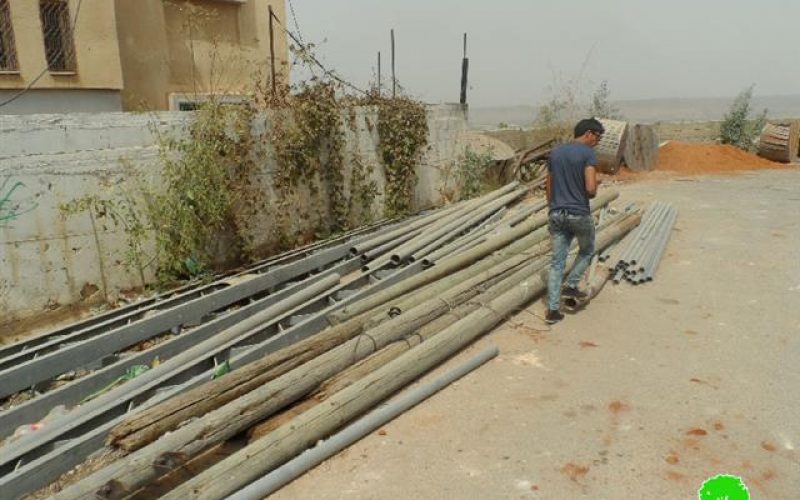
{"points": [[646, 393]]}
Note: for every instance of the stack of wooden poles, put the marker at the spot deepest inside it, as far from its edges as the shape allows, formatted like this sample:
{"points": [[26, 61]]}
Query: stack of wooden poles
{"points": [[292, 398]]}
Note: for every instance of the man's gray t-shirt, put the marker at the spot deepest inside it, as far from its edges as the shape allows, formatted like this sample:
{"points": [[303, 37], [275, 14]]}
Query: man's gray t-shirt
{"points": [[567, 167]]}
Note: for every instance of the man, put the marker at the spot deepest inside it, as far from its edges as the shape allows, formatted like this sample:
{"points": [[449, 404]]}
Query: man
{"points": [[571, 182]]}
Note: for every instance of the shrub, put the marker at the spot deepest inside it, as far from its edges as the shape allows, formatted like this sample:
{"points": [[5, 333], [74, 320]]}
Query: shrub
{"points": [[738, 128], [601, 106]]}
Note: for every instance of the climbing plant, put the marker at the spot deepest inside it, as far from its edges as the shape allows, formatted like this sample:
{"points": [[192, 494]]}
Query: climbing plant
{"points": [[209, 191], [307, 136], [403, 139], [121, 212], [223, 174]]}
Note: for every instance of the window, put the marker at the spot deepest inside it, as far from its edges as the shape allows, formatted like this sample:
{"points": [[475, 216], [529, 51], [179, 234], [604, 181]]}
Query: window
{"points": [[192, 102], [8, 54], [59, 46]]}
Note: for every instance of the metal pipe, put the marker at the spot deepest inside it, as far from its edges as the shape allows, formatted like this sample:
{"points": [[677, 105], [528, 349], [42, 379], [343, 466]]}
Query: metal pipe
{"points": [[293, 469], [642, 239], [460, 230], [642, 234], [613, 253], [646, 217], [659, 241], [496, 199], [381, 250], [647, 223], [465, 223], [631, 239], [662, 247], [422, 221], [653, 242], [648, 250], [468, 240]]}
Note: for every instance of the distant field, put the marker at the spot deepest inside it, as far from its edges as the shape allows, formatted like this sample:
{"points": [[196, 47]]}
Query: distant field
{"points": [[707, 131], [645, 111]]}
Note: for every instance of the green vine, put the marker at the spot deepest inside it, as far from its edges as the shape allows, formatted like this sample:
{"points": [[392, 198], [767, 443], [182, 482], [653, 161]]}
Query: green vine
{"points": [[308, 140], [213, 185], [125, 213], [363, 192], [403, 138]]}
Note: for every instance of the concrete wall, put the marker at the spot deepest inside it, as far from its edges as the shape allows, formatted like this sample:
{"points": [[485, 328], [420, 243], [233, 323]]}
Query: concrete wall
{"points": [[47, 259], [96, 49], [61, 101], [195, 48]]}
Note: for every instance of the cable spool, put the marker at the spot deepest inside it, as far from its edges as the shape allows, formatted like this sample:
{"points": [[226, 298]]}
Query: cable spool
{"points": [[611, 146], [641, 148], [780, 142]]}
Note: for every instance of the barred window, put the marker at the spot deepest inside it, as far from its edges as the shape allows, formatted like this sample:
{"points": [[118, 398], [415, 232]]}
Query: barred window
{"points": [[8, 53], [59, 46]]}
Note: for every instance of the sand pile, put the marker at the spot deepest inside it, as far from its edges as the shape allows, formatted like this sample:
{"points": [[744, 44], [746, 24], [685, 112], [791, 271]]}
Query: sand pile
{"points": [[689, 158]]}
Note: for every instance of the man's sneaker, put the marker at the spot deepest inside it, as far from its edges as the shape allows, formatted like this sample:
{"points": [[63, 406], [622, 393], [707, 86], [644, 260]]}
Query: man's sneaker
{"points": [[568, 291], [553, 317]]}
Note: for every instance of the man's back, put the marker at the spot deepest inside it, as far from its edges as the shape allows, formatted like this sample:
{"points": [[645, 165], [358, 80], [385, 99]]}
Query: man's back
{"points": [[567, 168]]}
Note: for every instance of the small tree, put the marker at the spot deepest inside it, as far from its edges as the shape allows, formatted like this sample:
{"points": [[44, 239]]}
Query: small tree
{"points": [[601, 106], [738, 128]]}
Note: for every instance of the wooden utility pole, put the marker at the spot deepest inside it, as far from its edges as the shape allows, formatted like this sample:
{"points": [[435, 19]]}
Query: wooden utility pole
{"points": [[464, 71], [394, 78], [379, 72], [272, 49]]}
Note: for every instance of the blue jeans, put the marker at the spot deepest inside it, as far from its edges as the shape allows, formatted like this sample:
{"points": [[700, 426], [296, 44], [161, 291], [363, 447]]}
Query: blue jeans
{"points": [[563, 227]]}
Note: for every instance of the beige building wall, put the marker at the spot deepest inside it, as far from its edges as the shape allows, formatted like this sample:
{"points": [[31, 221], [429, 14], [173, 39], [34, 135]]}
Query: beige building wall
{"points": [[191, 48], [96, 49]]}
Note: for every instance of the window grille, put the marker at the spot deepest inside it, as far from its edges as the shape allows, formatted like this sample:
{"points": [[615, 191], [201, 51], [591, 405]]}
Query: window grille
{"points": [[8, 53], [59, 45]]}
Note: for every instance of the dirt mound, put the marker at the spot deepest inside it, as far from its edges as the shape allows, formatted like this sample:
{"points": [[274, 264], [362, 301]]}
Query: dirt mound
{"points": [[688, 158]]}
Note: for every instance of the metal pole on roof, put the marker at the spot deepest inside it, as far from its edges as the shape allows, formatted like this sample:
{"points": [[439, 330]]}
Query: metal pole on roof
{"points": [[464, 72], [379, 72], [394, 78], [272, 49]]}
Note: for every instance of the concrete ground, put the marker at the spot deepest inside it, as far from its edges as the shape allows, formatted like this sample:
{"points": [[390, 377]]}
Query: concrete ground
{"points": [[645, 394]]}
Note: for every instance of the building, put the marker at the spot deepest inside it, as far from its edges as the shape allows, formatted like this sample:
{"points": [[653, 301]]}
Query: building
{"points": [[47, 67], [61, 56]]}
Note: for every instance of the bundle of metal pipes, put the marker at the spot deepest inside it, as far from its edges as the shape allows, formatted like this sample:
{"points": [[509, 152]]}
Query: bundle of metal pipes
{"points": [[636, 258], [315, 329]]}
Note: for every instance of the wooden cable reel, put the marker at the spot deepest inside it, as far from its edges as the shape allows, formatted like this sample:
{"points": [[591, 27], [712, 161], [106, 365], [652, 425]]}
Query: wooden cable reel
{"points": [[780, 142], [641, 148]]}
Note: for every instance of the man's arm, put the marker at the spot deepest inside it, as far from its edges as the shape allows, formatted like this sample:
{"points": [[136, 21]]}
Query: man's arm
{"points": [[591, 181]]}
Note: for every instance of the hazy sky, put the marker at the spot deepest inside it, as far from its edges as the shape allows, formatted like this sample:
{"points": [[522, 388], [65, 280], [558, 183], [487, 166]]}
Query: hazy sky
{"points": [[645, 49]]}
